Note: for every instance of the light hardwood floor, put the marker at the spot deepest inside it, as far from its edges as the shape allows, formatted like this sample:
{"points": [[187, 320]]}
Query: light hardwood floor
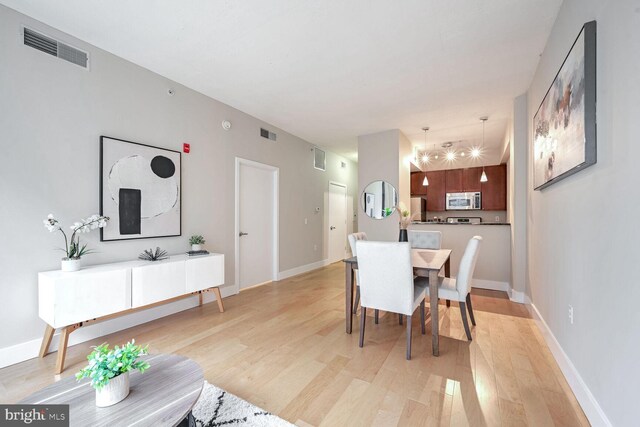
{"points": [[282, 346]]}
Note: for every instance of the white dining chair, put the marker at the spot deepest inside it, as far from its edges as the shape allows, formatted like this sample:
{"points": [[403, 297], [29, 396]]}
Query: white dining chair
{"points": [[459, 289], [425, 239], [387, 283], [353, 238]]}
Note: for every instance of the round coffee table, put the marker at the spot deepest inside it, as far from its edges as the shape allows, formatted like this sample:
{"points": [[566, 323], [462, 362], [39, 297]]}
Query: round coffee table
{"points": [[163, 395]]}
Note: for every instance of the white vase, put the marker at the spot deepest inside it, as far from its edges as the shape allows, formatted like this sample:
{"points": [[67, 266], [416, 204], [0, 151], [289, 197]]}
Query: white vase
{"points": [[70, 264], [196, 247], [115, 391]]}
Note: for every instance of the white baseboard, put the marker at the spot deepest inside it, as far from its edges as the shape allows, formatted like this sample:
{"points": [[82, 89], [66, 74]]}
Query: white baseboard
{"points": [[29, 349], [519, 297], [492, 285], [588, 402], [302, 269]]}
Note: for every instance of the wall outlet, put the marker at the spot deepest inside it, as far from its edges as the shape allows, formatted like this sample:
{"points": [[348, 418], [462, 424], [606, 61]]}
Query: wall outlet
{"points": [[315, 247], [305, 221], [571, 314]]}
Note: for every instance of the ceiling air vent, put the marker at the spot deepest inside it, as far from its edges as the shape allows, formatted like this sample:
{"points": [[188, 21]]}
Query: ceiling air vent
{"points": [[55, 47], [267, 134], [319, 159]]}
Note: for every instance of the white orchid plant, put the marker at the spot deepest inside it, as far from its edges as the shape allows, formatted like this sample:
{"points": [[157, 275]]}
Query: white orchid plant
{"points": [[72, 246]]}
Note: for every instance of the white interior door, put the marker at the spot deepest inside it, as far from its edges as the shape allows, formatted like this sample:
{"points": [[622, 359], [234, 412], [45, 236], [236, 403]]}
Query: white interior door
{"points": [[256, 223], [337, 221]]}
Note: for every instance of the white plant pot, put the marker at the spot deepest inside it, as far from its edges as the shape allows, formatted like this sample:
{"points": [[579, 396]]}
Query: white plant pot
{"points": [[70, 264], [196, 247], [115, 391]]}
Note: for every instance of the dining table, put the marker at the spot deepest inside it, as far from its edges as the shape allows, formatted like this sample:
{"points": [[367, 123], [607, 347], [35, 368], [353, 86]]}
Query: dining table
{"points": [[426, 263]]}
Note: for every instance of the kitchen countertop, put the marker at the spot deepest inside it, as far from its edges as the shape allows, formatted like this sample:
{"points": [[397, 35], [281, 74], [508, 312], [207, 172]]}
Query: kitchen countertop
{"points": [[457, 223]]}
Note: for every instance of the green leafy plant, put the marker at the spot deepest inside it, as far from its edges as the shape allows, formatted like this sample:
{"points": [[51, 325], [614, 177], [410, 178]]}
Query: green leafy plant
{"points": [[196, 240], [151, 255], [386, 212], [105, 364]]}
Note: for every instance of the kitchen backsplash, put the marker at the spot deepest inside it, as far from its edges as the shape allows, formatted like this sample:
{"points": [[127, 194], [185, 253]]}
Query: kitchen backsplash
{"points": [[487, 216]]}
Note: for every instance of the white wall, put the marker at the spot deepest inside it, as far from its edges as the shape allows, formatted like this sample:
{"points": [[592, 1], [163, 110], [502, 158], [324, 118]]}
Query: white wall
{"points": [[581, 251], [51, 116], [518, 196]]}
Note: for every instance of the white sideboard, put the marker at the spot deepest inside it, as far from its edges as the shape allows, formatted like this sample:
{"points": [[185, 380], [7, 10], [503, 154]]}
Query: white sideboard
{"points": [[70, 300]]}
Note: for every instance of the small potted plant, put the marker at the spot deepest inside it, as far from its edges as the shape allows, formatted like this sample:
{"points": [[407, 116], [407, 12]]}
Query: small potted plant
{"points": [[72, 248], [109, 371], [405, 221], [196, 242]]}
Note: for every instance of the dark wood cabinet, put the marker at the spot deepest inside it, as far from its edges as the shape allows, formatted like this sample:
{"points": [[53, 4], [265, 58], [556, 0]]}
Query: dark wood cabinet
{"points": [[436, 191], [417, 189], [454, 181], [471, 179], [494, 191]]}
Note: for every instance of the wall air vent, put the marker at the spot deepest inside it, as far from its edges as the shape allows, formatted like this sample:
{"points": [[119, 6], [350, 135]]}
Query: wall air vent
{"points": [[319, 159], [267, 134], [55, 47]]}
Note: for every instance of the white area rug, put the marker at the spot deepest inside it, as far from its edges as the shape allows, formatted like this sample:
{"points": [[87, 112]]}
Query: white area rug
{"points": [[216, 408]]}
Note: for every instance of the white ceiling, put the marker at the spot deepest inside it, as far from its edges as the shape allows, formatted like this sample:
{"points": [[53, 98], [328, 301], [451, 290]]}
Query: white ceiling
{"points": [[328, 71]]}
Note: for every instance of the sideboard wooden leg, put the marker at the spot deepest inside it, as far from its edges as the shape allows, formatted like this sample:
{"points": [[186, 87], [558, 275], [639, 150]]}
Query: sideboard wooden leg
{"points": [[218, 299], [200, 297], [62, 346], [46, 340]]}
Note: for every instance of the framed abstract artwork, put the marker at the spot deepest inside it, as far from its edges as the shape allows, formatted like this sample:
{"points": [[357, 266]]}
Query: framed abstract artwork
{"points": [[564, 127], [140, 190]]}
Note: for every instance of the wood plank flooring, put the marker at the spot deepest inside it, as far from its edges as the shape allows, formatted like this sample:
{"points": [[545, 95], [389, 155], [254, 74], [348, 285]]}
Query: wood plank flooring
{"points": [[282, 346]]}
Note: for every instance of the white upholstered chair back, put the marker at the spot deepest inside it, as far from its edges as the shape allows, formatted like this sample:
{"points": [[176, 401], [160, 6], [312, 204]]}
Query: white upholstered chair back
{"points": [[386, 276], [353, 238], [425, 239], [467, 265]]}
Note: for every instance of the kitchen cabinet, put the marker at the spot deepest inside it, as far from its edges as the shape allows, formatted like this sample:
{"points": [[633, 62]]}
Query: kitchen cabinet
{"points": [[436, 191], [494, 191], [471, 180], [454, 181], [417, 189]]}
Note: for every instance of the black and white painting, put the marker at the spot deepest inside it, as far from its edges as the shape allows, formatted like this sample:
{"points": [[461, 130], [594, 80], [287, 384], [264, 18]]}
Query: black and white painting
{"points": [[565, 124], [139, 190]]}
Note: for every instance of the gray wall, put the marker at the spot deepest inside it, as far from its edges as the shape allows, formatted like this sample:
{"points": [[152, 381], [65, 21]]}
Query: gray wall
{"points": [[378, 160], [581, 251], [51, 116]]}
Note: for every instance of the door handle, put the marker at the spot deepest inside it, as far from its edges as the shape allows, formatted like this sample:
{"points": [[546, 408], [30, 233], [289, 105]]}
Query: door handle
{"points": [[243, 234], [332, 228]]}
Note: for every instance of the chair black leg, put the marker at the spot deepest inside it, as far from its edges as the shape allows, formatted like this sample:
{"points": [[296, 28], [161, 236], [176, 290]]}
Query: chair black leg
{"points": [[408, 337], [448, 303], [376, 313], [422, 320], [363, 316], [473, 319], [463, 312], [357, 300], [400, 319]]}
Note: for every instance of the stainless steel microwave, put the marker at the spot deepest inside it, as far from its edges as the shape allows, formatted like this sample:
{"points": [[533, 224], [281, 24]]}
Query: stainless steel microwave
{"points": [[463, 201]]}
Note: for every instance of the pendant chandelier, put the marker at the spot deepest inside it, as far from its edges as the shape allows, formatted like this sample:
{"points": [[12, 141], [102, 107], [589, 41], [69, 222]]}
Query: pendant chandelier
{"points": [[483, 177]]}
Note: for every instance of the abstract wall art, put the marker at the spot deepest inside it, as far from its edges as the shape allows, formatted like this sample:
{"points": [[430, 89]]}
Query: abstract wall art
{"points": [[140, 190], [564, 127]]}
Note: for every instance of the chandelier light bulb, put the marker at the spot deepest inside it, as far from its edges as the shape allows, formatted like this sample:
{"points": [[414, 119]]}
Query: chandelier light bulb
{"points": [[475, 153], [451, 156]]}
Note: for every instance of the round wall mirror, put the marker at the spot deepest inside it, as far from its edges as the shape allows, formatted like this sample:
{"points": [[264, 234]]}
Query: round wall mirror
{"points": [[379, 199]]}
